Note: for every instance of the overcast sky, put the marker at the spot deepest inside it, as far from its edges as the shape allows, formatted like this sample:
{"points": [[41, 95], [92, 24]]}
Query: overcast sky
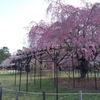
{"points": [[17, 14]]}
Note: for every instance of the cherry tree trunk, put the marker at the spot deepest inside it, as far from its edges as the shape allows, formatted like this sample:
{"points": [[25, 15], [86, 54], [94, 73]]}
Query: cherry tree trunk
{"points": [[83, 69]]}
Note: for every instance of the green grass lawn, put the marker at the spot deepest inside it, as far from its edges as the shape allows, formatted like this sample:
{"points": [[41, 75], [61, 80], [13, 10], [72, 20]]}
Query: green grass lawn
{"points": [[7, 81]]}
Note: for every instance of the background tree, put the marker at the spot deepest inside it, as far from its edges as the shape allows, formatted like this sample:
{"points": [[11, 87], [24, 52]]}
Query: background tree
{"points": [[4, 53]]}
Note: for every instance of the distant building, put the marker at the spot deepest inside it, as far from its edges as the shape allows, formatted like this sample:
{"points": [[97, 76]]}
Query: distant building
{"points": [[6, 64]]}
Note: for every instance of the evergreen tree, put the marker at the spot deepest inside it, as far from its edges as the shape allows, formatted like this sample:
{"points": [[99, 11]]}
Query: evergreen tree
{"points": [[4, 53]]}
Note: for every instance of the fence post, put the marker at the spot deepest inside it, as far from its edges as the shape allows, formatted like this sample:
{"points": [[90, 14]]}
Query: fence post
{"points": [[80, 95], [0, 92], [43, 95], [17, 94]]}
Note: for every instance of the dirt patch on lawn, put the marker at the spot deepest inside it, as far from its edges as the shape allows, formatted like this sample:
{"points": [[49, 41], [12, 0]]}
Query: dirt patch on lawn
{"points": [[85, 85]]}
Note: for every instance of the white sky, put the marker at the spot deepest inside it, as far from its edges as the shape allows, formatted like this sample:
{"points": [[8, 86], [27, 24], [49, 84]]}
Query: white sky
{"points": [[16, 14]]}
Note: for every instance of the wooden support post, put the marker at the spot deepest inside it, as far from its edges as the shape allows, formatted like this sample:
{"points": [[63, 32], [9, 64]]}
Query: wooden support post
{"points": [[43, 95], [0, 92], [80, 95], [20, 80], [17, 94]]}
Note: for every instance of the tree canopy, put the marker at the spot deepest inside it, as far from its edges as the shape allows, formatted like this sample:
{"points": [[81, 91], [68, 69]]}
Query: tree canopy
{"points": [[73, 26], [76, 27]]}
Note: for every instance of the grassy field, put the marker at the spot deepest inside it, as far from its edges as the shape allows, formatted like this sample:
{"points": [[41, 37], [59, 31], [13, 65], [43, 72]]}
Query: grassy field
{"points": [[7, 81]]}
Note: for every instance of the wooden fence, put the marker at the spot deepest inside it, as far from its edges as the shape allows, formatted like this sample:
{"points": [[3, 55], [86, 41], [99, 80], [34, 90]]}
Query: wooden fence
{"points": [[43, 94]]}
